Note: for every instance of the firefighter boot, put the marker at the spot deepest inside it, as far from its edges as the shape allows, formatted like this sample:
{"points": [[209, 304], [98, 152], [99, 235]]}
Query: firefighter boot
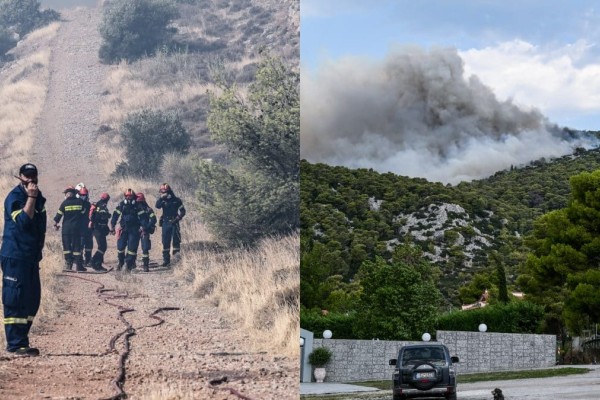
{"points": [[68, 266], [79, 266], [121, 261], [146, 264]]}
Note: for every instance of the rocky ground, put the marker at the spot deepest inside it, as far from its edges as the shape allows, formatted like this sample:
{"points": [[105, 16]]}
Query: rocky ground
{"points": [[114, 338]]}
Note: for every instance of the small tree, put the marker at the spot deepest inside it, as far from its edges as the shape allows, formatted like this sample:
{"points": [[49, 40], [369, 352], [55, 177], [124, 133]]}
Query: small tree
{"points": [[257, 195], [149, 135], [131, 29]]}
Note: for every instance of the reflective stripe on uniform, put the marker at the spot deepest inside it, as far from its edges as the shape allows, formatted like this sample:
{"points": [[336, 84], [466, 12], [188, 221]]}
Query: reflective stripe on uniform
{"points": [[67, 252], [59, 212], [131, 253], [15, 320], [73, 208], [15, 214]]}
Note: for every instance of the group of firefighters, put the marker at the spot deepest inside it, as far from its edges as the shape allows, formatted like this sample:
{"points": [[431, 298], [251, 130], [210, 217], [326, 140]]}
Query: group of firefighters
{"points": [[24, 238], [84, 221]]}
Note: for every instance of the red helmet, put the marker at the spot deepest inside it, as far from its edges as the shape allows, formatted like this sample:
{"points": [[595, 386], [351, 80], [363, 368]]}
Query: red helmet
{"points": [[129, 194], [105, 197], [164, 188], [140, 197], [83, 191]]}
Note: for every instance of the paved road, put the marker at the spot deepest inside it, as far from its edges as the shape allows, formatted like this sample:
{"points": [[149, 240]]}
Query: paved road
{"points": [[575, 387], [579, 387]]}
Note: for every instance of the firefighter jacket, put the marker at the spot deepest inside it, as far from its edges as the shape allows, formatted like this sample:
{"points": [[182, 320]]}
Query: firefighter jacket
{"points": [[23, 237], [172, 207], [130, 214], [72, 212], [85, 217], [150, 220], [99, 216]]}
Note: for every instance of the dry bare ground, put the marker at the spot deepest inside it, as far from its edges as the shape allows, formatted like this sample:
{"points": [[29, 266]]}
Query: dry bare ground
{"points": [[185, 333]]}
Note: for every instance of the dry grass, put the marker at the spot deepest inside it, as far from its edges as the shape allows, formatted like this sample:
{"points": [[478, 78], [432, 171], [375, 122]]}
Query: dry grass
{"points": [[259, 288], [128, 92]]}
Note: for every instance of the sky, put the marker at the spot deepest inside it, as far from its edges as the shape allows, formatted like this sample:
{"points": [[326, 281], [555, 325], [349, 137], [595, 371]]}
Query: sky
{"points": [[448, 90]]}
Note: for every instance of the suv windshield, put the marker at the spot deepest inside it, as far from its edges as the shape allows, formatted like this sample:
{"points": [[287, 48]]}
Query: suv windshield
{"points": [[433, 355]]}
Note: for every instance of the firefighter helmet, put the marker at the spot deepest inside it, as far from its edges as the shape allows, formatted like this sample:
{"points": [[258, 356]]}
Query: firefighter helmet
{"points": [[79, 186], [129, 194], [105, 197], [165, 188], [140, 197]]}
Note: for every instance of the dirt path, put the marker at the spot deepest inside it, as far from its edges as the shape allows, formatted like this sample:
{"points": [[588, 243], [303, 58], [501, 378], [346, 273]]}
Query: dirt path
{"points": [[64, 148], [194, 354]]}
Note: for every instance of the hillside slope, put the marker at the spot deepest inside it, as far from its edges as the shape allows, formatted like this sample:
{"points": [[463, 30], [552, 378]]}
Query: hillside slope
{"points": [[194, 353], [359, 214]]}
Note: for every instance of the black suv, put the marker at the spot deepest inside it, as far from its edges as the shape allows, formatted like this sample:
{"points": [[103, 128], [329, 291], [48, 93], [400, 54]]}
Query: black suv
{"points": [[424, 370]]}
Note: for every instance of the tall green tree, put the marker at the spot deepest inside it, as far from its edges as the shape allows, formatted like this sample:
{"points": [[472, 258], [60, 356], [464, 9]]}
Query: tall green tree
{"points": [[562, 272], [257, 194], [399, 299]]}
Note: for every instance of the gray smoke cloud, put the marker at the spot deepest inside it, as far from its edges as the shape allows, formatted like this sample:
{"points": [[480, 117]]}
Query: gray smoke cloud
{"points": [[415, 114]]}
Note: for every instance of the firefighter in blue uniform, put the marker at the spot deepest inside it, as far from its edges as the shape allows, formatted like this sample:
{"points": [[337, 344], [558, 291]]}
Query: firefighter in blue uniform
{"points": [[147, 230], [71, 212], [173, 212], [99, 218], [21, 252], [132, 218]]}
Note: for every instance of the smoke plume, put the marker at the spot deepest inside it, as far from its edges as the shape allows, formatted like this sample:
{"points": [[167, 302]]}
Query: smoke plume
{"points": [[415, 114]]}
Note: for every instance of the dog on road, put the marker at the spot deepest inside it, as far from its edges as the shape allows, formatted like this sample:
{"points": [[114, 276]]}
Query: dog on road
{"points": [[498, 394]]}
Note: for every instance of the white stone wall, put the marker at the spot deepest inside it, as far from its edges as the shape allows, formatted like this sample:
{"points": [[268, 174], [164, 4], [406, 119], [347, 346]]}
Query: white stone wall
{"points": [[362, 360]]}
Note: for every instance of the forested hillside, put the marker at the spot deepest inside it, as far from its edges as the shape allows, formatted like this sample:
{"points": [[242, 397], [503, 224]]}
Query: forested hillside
{"points": [[352, 216]]}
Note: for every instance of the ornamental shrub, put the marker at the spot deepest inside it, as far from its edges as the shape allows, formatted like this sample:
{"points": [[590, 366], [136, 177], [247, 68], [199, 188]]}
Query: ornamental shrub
{"points": [[319, 357]]}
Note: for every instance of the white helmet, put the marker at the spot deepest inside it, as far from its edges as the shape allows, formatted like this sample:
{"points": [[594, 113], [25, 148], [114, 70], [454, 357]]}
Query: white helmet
{"points": [[79, 186]]}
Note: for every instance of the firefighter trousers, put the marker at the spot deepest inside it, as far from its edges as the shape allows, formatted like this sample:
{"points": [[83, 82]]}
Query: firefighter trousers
{"points": [[170, 232], [146, 246], [101, 245], [127, 246], [72, 248], [21, 294], [87, 244]]}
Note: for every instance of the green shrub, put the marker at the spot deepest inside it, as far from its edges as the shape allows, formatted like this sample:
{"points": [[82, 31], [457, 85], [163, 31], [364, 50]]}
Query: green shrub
{"points": [[19, 15], [149, 135], [319, 357], [514, 317], [131, 29], [7, 41], [339, 324], [18, 18]]}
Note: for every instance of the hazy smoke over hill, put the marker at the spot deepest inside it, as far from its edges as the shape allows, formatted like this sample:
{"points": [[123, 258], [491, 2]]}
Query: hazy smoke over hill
{"points": [[415, 114]]}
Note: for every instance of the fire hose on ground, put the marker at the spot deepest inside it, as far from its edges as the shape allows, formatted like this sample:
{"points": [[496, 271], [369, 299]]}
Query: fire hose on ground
{"points": [[119, 381]]}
